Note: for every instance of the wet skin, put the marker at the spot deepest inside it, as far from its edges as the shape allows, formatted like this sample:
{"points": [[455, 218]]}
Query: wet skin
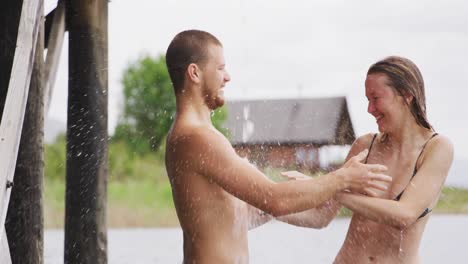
{"points": [[213, 221], [383, 230], [369, 241], [216, 192]]}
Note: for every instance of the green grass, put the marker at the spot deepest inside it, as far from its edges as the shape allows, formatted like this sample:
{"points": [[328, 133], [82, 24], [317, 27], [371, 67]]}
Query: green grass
{"points": [[148, 202], [54, 203], [140, 203], [453, 201], [131, 203], [139, 193]]}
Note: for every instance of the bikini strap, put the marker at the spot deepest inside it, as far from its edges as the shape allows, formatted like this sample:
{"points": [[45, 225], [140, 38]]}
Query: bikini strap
{"points": [[422, 150], [370, 147]]}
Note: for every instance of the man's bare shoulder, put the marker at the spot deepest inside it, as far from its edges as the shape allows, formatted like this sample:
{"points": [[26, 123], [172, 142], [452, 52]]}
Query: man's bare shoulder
{"points": [[200, 149], [193, 139], [194, 133]]}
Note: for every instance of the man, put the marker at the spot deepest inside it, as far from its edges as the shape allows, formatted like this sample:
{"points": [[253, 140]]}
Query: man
{"points": [[212, 186]]}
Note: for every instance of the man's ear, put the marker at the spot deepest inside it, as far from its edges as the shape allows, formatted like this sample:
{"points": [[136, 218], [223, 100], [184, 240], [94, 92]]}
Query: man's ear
{"points": [[194, 72]]}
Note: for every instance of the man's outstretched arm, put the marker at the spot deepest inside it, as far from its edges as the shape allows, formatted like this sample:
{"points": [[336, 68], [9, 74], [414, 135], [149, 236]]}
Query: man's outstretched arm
{"points": [[211, 155]]}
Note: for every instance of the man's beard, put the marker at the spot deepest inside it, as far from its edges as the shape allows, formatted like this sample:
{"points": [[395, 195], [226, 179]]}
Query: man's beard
{"points": [[219, 100], [215, 102]]}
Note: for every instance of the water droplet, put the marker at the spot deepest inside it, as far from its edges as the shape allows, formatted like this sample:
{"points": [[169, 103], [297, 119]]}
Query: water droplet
{"points": [[400, 249]]}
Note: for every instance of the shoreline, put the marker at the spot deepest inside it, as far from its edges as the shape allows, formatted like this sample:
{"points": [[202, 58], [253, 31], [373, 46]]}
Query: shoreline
{"points": [[148, 203]]}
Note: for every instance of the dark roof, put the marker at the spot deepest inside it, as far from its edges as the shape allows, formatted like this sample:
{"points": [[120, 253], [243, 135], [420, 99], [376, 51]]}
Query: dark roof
{"points": [[315, 120]]}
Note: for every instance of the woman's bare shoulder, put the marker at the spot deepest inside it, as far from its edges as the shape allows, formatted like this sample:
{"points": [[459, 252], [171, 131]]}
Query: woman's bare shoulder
{"points": [[442, 139], [440, 144], [366, 139], [439, 150], [361, 143]]}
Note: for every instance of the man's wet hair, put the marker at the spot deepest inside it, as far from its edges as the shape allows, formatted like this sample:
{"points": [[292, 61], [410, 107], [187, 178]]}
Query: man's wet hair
{"points": [[190, 46]]}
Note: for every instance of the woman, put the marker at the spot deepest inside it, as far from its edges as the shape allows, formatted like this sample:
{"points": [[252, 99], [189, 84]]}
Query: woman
{"points": [[388, 227]]}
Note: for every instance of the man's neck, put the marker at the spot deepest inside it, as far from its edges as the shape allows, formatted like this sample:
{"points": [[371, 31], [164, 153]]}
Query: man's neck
{"points": [[192, 105]]}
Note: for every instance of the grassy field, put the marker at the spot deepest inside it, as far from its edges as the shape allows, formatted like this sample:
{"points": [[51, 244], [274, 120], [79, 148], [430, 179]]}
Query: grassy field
{"points": [[132, 203], [139, 193], [147, 202], [453, 201]]}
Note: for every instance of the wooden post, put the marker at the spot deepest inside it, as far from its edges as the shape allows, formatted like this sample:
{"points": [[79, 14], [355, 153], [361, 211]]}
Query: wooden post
{"points": [[24, 223], [14, 106], [86, 190], [54, 48], [10, 13]]}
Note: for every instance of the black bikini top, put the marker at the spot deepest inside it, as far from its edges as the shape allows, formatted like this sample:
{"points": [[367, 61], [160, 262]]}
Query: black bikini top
{"points": [[427, 210]]}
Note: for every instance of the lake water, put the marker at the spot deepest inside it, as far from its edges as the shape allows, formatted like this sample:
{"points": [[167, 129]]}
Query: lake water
{"points": [[445, 241]]}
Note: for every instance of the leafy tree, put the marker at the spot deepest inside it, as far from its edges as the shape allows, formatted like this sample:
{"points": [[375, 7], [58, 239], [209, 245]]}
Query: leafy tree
{"points": [[149, 105], [218, 117], [55, 158]]}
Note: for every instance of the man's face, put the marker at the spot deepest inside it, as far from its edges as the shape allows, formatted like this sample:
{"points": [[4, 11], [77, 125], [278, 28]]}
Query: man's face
{"points": [[214, 77]]}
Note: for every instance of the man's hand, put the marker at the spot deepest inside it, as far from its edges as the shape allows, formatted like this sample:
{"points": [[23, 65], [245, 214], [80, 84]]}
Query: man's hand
{"points": [[362, 178]]}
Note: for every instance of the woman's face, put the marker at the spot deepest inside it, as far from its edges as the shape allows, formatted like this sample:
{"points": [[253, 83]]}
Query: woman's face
{"points": [[385, 105]]}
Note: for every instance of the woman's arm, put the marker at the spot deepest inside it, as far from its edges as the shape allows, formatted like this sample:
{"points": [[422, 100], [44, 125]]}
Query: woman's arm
{"points": [[423, 189], [256, 217], [318, 217], [377, 209]]}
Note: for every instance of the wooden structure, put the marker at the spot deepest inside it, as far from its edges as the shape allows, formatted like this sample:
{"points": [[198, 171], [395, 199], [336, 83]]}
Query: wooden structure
{"points": [[288, 133], [24, 27], [26, 82], [85, 212], [23, 219]]}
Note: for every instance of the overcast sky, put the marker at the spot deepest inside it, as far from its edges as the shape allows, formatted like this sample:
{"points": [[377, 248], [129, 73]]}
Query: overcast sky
{"points": [[302, 48]]}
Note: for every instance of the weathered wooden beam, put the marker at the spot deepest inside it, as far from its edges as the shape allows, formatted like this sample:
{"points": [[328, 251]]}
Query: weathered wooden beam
{"points": [[10, 13], [55, 41], [5, 250], [49, 20], [15, 103], [24, 222], [86, 190]]}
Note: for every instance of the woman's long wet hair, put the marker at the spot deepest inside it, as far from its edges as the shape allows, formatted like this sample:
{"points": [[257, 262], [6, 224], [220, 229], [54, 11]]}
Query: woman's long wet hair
{"points": [[406, 79]]}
